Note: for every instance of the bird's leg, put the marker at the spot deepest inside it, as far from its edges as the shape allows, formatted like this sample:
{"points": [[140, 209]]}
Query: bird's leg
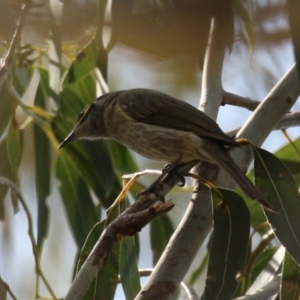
{"points": [[174, 167]]}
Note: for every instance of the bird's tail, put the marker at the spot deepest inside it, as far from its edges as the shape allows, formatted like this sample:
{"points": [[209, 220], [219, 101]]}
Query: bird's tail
{"points": [[224, 160]]}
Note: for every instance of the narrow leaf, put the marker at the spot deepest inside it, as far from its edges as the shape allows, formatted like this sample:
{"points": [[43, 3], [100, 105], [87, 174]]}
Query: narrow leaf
{"points": [[14, 147], [129, 274], [83, 65], [290, 282], [228, 246], [7, 107], [42, 172], [276, 182], [269, 272], [104, 285], [5, 171], [79, 206]]}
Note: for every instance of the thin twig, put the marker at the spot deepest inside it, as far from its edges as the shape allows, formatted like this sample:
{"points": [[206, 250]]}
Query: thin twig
{"points": [[10, 184], [236, 100], [7, 60], [7, 288]]}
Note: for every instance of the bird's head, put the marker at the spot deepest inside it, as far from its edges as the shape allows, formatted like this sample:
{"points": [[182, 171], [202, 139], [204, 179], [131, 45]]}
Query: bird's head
{"points": [[89, 125]]}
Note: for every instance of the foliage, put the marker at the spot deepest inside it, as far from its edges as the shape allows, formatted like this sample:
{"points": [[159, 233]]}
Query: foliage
{"points": [[89, 175]]}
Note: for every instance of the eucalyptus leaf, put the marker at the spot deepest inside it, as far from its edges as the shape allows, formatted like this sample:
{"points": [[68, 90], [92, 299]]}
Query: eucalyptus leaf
{"points": [[229, 244], [78, 203], [14, 146], [5, 171], [290, 282], [42, 171], [104, 285], [7, 107], [276, 182]]}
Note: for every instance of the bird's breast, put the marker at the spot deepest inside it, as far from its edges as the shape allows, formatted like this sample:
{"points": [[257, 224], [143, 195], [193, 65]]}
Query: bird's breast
{"points": [[158, 143]]}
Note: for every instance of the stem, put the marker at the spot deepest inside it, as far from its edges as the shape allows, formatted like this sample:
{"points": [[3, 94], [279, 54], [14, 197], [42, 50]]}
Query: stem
{"points": [[15, 190]]}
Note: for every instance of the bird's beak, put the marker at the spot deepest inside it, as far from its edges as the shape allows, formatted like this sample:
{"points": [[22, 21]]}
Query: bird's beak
{"points": [[67, 140]]}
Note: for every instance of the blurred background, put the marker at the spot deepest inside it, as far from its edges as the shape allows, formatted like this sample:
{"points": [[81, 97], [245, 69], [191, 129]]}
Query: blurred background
{"points": [[158, 45]]}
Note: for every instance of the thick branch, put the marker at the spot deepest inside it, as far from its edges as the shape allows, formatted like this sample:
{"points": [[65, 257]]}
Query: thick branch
{"points": [[131, 221], [197, 221], [212, 90], [272, 109]]}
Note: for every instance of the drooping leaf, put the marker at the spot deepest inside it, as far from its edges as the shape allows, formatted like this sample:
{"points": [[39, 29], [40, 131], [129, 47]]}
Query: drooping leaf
{"points": [[290, 282], [5, 171], [42, 171], [277, 183], [161, 230], [21, 79], [14, 146], [82, 66], [79, 206], [289, 156], [88, 168], [104, 285], [129, 274], [261, 263], [228, 247], [269, 271], [7, 107]]}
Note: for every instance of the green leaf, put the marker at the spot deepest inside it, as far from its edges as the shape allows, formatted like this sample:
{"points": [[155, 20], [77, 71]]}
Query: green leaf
{"points": [[79, 206], [83, 65], [14, 147], [104, 285], [290, 282], [269, 272], [129, 274], [228, 247], [122, 158], [42, 172], [88, 168], [262, 261], [7, 107], [21, 79], [99, 154], [291, 158], [161, 230], [5, 171], [276, 182]]}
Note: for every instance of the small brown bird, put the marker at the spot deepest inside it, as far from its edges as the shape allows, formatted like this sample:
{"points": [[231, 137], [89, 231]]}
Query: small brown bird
{"points": [[163, 128]]}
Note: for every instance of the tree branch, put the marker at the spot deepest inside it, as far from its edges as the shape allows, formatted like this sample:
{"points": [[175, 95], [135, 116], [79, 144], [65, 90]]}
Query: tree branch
{"points": [[197, 221], [236, 100], [147, 207], [288, 121]]}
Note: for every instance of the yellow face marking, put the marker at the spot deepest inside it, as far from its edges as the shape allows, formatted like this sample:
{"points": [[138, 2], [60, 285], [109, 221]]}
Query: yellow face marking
{"points": [[84, 113]]}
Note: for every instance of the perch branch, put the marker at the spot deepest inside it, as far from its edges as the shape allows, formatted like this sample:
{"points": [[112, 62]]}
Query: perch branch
{"points": [[147, 207]]}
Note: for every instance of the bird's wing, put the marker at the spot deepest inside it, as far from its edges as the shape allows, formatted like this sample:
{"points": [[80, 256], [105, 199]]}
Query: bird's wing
{"points": [[155, 108]]}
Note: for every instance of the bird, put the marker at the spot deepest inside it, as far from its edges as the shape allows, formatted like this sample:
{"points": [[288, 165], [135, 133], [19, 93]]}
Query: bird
{"points": [[163, 128]]}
